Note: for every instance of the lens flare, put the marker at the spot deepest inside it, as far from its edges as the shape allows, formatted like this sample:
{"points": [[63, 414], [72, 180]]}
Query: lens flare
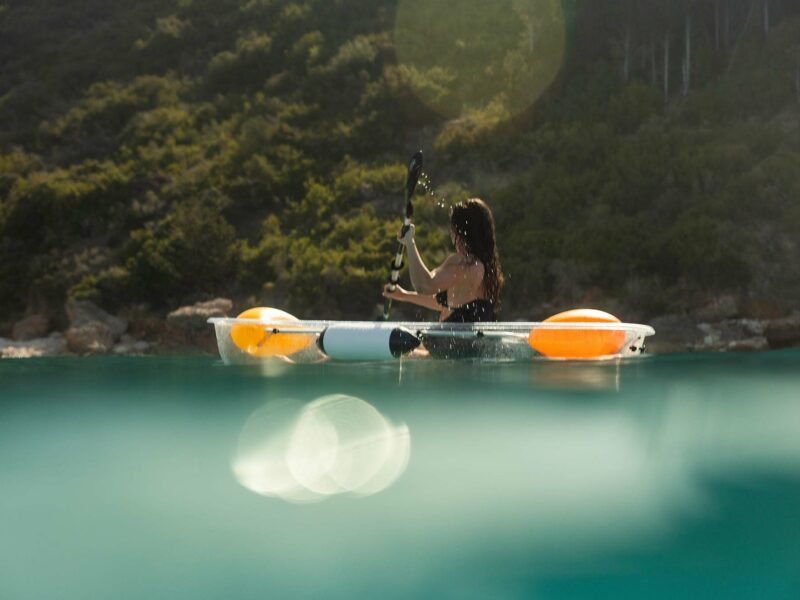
{"points": [[466, 56], [337, 444], [260, 462]]}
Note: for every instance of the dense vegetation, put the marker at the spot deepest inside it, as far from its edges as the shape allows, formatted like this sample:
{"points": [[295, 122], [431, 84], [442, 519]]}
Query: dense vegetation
{"points": [[159, 152]]}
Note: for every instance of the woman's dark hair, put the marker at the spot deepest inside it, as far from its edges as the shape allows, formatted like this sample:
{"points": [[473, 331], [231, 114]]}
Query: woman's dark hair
{"points": [[473, 224]]}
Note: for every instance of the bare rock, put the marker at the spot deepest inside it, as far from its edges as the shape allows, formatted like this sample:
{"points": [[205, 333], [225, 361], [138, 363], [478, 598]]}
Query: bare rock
{"points": [[188, 327], [128, 347], [733, 334], [93, 337], [53, 345], [785, 332], [143, 324], [720, 309], [753, 344], [30, 328], [674, 333], [82, 312], [726, 335]]}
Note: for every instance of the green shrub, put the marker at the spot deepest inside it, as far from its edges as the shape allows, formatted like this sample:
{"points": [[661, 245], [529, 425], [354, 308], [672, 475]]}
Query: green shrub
{"points": [[187, 253]]}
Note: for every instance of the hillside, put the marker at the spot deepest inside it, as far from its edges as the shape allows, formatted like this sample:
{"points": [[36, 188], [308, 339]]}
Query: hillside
{"points": [[642, 157]]}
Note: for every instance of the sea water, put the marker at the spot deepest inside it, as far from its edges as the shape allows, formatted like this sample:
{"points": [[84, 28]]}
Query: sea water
{"points": [[665, 477]]}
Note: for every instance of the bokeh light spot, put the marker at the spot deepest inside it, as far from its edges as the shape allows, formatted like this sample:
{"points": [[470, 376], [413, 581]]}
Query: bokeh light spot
{"points": [[304, 453], [466, 56]]}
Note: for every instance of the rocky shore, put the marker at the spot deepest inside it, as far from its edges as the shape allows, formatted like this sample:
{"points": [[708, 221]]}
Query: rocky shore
{"points": [[722, 327], [675, 333], [93, 331]]}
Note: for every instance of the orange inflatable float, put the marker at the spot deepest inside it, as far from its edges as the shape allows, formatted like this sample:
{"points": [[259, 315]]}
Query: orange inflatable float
{"points": [[577, 342], [257, 340]]}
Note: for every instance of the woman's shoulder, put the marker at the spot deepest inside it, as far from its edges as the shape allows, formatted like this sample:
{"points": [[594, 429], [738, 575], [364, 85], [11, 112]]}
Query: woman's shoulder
{"points": [[453, 260], [465, 263], [477, 268]]}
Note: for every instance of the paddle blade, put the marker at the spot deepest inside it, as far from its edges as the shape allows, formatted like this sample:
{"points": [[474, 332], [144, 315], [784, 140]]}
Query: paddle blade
{"points": [[414, 171]]}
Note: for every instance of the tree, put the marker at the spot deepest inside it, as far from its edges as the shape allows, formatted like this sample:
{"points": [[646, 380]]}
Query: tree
{"points": [[686, 64]]}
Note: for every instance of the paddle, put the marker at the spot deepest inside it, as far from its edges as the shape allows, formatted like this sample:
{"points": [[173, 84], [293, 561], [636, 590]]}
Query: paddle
{"points": [[414, 171]]}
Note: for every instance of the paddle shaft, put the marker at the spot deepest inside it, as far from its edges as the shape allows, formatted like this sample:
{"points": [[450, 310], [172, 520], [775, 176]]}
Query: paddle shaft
{"points": [[414, 171], [397, 264]]}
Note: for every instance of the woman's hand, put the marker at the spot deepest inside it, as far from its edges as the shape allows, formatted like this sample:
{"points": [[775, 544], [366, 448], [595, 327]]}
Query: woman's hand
{"points": [[407, 239], [398, 294]]}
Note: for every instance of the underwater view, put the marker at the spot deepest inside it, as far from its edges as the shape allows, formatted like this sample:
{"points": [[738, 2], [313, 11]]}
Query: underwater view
{"points": [[659, 477]]}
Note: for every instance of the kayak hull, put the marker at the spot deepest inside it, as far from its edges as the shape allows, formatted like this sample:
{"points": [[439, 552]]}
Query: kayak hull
{"points": [[500, 341]]}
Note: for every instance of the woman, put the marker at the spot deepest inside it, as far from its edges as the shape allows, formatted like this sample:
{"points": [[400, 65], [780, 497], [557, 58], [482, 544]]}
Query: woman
{"points": [[465, 288]]}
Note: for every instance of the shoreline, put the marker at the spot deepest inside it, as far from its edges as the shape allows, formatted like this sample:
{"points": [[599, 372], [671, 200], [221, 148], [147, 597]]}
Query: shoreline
{"points": [[185, 331]]}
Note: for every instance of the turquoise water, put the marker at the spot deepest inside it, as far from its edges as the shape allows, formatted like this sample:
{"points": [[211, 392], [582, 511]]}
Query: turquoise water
{"points": [[674, 476]]}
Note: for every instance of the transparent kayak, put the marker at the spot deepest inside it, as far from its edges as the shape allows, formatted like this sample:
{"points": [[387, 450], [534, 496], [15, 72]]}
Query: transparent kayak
{"points": [[250, 340]]}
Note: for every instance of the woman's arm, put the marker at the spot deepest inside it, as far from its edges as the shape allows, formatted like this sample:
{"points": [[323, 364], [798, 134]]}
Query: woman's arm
{"points": [[421, 277], [423, 300], [425, 281]]}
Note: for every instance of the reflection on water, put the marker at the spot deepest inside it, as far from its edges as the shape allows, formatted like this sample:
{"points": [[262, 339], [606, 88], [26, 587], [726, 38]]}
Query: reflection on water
{"points": [[336, 444], [576, 375]]}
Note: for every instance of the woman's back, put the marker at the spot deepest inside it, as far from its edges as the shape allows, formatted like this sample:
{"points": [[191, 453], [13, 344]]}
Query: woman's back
{"points": [[466, 283], [466, 286]]}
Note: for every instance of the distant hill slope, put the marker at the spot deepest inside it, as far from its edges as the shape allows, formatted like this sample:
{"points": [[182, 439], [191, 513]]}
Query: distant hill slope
{"points": [[153, 153]]}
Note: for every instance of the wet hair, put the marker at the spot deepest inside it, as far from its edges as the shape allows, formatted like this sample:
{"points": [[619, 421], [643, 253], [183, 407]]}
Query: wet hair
{"points": [[473, 224]]}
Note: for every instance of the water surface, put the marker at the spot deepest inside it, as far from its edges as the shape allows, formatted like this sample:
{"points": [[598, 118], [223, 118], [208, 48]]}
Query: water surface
{"points": [[673, 476]]}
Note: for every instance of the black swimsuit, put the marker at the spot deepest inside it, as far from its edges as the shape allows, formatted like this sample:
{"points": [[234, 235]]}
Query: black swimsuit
{"points": [[474, 311]]}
